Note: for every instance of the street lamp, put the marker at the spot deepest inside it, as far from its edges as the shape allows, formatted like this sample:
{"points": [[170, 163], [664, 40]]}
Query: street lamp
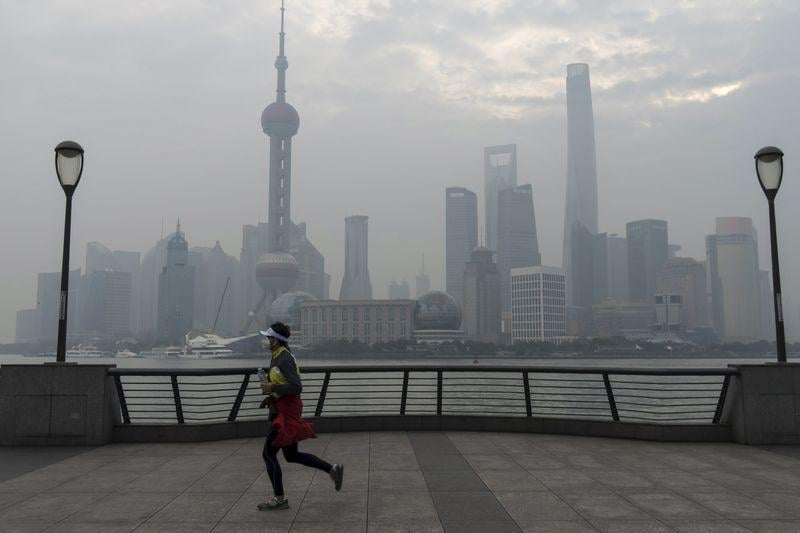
{"points": [[69, 167], [769, 169]]}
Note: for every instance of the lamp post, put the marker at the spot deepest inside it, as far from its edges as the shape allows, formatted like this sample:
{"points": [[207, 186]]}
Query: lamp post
{"points": [[769, 169], [69, 167]]}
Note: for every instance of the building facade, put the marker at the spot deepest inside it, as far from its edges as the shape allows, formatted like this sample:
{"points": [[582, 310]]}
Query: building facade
{"points": [[48, 290], [517, 243], [105, 304], [685, 277], [356, 284], [461, 236], [734, 280], [399, 290], [366, 321], [500, 172], [538, 304], [581, 212], [176, 292], [624, 319], [481, 308], [648, 251]]}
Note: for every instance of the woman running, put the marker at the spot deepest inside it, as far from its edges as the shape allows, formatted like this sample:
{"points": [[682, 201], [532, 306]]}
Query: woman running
{"points": [[282, 386]]}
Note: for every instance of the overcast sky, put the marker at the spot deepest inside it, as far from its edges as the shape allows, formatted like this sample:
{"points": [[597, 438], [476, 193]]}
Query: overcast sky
{"points": [[397, 100]]}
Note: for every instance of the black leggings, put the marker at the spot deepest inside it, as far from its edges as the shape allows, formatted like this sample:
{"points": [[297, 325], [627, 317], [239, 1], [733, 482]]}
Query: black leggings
{"points": [[290, 453]]}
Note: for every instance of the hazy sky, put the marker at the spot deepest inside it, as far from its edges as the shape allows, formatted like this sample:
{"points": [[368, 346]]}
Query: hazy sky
{"points": [[397, 100]]}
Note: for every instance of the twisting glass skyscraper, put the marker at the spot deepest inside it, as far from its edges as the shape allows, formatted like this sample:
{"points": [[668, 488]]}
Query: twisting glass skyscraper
{"points": [[581, 206]]}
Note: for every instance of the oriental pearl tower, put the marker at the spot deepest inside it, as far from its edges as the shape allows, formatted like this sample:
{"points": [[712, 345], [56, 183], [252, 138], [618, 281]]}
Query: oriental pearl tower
{"points": [[277, 270]]}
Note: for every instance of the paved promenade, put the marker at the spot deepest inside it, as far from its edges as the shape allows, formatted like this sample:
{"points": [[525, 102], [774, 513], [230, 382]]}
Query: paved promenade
{"points": [[397, 482]]}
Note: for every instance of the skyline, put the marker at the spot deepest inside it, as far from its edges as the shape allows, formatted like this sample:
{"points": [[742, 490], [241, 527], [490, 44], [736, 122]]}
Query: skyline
{"points": [[206, 128]]}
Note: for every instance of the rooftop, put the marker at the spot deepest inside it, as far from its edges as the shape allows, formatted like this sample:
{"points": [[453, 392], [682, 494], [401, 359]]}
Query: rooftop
{"points": [[416, 481]]}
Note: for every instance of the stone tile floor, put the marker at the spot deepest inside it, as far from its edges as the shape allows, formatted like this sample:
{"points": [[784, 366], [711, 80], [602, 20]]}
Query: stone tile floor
{"points": [[407, 482]]}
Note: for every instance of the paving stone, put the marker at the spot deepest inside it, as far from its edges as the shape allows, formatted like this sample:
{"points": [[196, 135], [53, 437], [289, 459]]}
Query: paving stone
{"points": [[453, 480], [333, 507], [412, 527], [411, 480], [400, 506], [328, 527], [72, 527], [47, 507], [736, 506], [529, 507], [772, 526], [480, 526], [468, 505], [632, 526], [557, 526], [707, 526], [604, 507], [200, 508], [669, 505], [121, 508]]}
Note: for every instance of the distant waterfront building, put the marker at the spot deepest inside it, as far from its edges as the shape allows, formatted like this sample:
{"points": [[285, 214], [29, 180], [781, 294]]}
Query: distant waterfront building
{"points": [[399, 291], [581, 213], [648, 251], [611, 268], [517, 244], [356, 284], [176, 292], [98, 258], [624, 319], [423, 281], [287, 308], [538, 303], [767, 306], [105, 304], [311, 262], [216, 275], [500, 172], [437, 318], [669, 312], [481, 308], [26, 330], [685, 277], [461, 236], [733, 272], [366, 321]]}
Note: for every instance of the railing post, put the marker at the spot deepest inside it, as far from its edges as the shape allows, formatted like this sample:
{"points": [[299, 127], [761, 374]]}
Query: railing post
{"points": [[176, 393], [612, 404], [439, 392], [123, 405], [528, 407], [404, 393], [237, 404], [721, 402], [322, 392]]}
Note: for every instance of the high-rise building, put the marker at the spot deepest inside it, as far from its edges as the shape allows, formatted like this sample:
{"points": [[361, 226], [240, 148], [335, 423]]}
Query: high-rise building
{"points": [[500, 172], [517, 244], [461, 236], [481, 307], [215, 298], [356, 284], [423, 281], [176, 292], [98, 258], [648, 251], [580, 216], [311, 276], [685, 277], [616, 248], [399, 290], [767, 306], [734, 280], [105, 304], [538, 304]]}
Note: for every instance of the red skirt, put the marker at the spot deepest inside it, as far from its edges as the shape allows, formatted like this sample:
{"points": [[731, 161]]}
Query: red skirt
{"points": [[291, 428]]}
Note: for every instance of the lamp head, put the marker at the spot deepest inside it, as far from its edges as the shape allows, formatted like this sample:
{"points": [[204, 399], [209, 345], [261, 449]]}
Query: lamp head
{"points": [[69, 165], [769, 169]]}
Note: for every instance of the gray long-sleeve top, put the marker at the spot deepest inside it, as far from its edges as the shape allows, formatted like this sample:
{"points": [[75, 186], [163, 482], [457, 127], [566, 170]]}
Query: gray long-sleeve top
{"points": [[284, 375]]}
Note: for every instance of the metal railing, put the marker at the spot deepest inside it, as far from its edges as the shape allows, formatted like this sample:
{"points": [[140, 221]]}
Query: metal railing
{"points": [[665, 396]]}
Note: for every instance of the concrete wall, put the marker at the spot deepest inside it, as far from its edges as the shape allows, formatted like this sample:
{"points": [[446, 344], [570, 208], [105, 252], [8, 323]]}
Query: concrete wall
{"points": [[57, 405], [763, 405]]}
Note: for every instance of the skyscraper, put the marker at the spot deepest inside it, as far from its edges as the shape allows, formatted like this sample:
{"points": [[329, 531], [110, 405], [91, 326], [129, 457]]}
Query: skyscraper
{"points": [[685, 277], [481, 308], [461, 236], [423, 281], [538, 297], [176, 292], [500, 172], [356, 284], [517, 244], [581, 201], [399, 290], [105, 304], [734, 280], [648, 251]]}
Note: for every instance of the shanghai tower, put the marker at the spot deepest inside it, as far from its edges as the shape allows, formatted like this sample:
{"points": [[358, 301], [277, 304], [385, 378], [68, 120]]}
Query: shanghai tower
{"points": [[580, 217]]}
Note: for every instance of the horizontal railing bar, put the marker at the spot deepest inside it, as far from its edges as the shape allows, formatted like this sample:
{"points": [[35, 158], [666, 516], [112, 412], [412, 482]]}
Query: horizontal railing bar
{"points": [[434, 368]]}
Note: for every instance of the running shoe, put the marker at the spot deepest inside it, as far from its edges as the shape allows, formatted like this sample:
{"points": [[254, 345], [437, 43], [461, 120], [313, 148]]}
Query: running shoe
{"points": [[274, 505], [337, 475]]}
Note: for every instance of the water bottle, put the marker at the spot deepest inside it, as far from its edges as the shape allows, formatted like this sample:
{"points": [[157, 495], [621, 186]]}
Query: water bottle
{"points": [[261, 375]]}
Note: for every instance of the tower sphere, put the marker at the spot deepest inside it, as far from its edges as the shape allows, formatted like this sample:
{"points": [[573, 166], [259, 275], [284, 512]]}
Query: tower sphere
{"points": [[437, 310], [277, 271], [281, 119]]}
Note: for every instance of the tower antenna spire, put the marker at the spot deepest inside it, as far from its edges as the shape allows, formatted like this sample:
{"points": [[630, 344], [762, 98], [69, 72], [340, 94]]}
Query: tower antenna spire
{"points": [[281, 63]]}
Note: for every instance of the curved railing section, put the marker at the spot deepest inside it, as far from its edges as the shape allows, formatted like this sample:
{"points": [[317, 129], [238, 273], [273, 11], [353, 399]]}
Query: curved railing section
{"points": [[655, 396]]}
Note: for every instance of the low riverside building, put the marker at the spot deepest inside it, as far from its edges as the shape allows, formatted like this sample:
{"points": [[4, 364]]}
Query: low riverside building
{"points": [[624, 319], [538, 304], [366, 321]]}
